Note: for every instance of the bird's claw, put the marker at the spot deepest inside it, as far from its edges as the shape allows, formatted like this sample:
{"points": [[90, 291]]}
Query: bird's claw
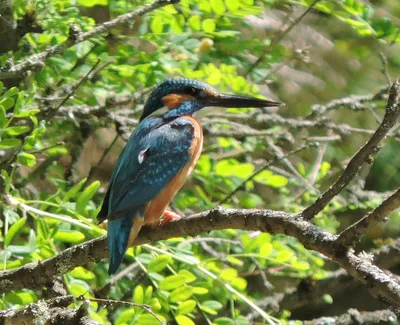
{"points": [[169, 216]]}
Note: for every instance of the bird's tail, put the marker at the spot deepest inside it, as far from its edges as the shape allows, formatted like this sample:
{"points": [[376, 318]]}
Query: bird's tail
{"points": [[121, 232]]}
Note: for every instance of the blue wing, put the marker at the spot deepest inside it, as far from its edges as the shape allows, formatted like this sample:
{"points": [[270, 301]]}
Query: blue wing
{"points": [[154, 154], [134, 182]]}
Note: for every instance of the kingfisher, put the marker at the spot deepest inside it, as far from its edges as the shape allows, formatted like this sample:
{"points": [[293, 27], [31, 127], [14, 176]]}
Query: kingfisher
{"points": [[158, 159]]}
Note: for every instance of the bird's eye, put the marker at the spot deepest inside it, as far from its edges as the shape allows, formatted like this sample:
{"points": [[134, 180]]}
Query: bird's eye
{"points": [[193, 90]]}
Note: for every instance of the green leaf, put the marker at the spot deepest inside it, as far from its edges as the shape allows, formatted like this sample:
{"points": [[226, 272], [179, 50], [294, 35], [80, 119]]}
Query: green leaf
{"points": [[268, 178], [14, 229], [57, 151], [232, 5], [7, 103], [195, 24], [181, 294], [125, 317], [159, 263], [85, 196], [218, 6], [155, 304], [239, 284], [18, 103], [74, 190], [284, 255], [138, 295], [69, 236], [250, 201], [208, 25], [189, 276], [277, 181], [266, 249], [172, 282], [186, 307], [184, 320], [147, 319], [211, 305], [301, 265], [234, 260], [3, 118], [224, 321], [13, 91], [27, 113], [21, 298], [200, 291], [231, 167], [92, 3], [81, 273], [382, 26], [26, 159], [148, 294], [9, 143], [157, 25], [78, 287], [228, 274], [16, 130]]}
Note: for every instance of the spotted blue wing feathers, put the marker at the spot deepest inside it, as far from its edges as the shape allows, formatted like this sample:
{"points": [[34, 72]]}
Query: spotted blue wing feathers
{"points": [[137, 180]]}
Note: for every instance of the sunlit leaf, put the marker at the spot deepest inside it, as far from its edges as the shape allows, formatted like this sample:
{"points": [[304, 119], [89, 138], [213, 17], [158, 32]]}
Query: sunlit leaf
{"points": [[86, 195], [14, 230]]}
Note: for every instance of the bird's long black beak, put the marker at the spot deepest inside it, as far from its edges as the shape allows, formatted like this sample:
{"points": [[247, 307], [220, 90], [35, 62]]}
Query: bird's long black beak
{"points": [[225, 100]]}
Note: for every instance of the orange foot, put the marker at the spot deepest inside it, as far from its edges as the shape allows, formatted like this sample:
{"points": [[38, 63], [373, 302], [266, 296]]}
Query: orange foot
{"points": [[169, 216]]}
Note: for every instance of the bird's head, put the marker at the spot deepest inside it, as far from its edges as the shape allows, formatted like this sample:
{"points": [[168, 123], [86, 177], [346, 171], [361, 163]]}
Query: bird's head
{"points": [[173, 93]]}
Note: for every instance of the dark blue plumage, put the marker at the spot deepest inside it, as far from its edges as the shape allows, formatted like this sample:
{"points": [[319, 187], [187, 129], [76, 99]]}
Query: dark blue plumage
{"points": [[159, 156], [133, 184]]}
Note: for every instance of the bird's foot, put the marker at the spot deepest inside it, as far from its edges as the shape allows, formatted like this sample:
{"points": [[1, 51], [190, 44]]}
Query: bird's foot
{"points": [[169, 216]]}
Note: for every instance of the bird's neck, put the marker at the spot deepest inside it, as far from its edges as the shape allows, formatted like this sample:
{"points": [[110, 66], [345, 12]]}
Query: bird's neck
{"points": [[186, 108]]}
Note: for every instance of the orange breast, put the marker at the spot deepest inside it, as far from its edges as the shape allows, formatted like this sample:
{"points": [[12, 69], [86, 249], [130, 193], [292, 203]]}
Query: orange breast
{"points": [[158, 205]]}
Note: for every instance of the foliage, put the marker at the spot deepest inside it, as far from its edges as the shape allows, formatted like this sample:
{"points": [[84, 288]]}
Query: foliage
{"points": [[50, 203]]}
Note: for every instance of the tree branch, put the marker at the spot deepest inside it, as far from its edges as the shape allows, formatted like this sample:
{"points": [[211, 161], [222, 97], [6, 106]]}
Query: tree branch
{"points": [[353, 316], [390, 119], [381, 285], [36, 61], [353, 233], [53, 311]]}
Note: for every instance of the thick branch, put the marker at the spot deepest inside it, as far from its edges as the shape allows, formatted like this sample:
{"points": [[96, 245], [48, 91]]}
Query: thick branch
{"points": [[390, 119], [34, 312], [353, 316], [34, 276], [36, 61]]}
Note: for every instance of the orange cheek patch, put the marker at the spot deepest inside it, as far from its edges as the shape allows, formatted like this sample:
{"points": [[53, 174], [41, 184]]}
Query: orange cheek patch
{"points": [[174, 100]]}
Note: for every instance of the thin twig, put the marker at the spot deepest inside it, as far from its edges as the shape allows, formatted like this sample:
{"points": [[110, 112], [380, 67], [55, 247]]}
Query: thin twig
{"points": [[390, 119], [264, 167], [385, 71], [279, 153], [353, 233], [279, 38], [103, 156], [77, 85]]}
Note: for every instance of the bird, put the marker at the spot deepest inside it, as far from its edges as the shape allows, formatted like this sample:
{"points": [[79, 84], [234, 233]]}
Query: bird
{"points": [[158, 158]]}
